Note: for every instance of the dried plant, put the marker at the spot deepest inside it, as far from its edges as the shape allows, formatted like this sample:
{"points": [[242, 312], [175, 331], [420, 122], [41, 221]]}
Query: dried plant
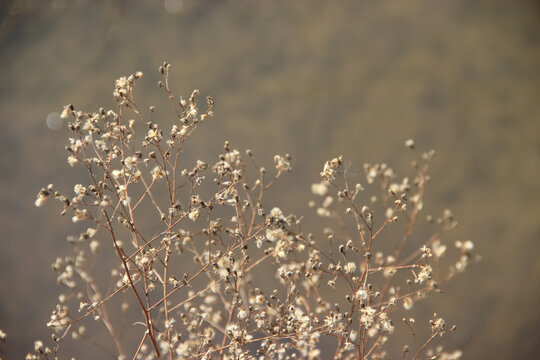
{"points": [[226, 237]]}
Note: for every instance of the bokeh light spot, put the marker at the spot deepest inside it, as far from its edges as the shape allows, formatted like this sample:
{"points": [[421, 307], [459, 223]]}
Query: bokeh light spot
{"points": [[173, 6], [54, 121]]}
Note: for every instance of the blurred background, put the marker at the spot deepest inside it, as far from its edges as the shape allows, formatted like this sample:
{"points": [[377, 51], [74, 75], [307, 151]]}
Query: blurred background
{"points": [[312, 78]]}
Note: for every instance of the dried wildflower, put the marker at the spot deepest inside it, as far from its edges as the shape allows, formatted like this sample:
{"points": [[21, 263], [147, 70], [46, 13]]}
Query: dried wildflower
{"points": [[59, 319], [41, 197], [368, 316], [438, 248], [409, 143], [72, 160], [455, 355], [80, 190], [350, 267], [466, 246], [319, 189], [66, 113], [277, 213], [274, 235], [385, 322], [322, 212], [157, 173], [408, 303], [329, 170], [154, 135], [361, 294], [94, 246], [282, 163], [225, 315], [425, 274], [437, 324], [194, 215]]}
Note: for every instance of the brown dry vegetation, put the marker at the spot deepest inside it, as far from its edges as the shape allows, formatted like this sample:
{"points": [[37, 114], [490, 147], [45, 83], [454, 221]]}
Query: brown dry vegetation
{"points": [[312, 80]]}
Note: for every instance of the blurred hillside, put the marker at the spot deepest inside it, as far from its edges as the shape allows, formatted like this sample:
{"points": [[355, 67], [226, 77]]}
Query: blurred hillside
{"points": [[314, 79]]}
